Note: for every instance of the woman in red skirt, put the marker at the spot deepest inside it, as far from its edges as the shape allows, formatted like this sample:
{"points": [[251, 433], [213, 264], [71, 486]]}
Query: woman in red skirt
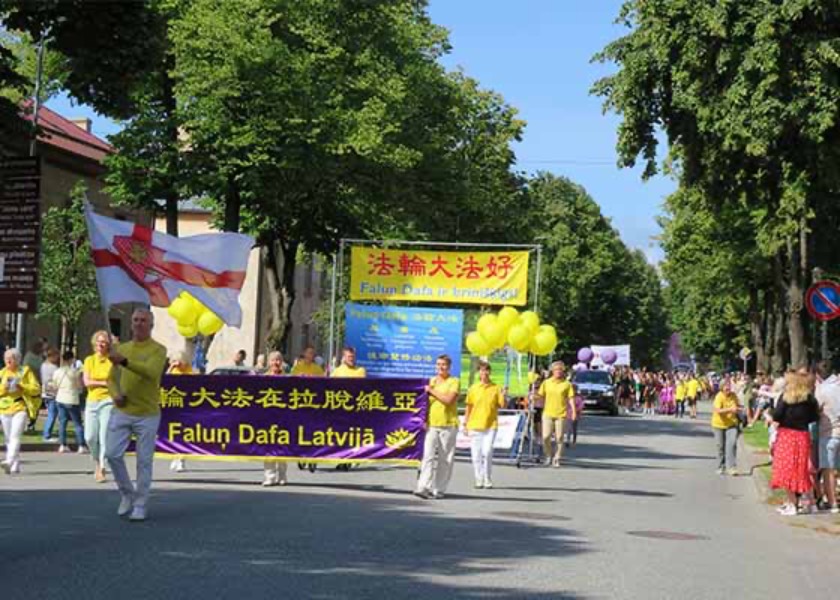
{"points": [[793, 469]]}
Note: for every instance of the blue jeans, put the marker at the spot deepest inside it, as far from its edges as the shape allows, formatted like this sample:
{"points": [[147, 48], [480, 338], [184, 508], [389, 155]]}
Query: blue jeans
{"points": [[52, 413], [70, 411]]}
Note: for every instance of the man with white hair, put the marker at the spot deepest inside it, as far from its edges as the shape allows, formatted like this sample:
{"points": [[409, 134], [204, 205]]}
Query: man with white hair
{"points": [[136, 397]]}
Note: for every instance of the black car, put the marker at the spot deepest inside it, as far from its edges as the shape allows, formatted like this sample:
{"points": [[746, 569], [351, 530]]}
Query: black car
{"points": [[597, 390]]}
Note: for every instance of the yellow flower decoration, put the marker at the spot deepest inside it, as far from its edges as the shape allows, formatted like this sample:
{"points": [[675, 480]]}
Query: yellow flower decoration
{"points": [[400, 439]]}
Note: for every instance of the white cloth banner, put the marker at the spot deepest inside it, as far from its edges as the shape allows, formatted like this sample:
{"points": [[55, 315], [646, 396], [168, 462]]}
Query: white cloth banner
{"points": [[505, 435], [622, 352]]}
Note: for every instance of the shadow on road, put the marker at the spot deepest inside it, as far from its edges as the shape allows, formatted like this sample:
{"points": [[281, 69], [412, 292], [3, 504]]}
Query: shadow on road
{"points": [[266, 543]]}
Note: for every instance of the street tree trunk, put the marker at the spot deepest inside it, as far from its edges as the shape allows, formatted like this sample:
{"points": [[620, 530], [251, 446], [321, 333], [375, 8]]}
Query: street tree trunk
{"points": [[757, 333], [280, 258], [797, 270], [173, 170]]}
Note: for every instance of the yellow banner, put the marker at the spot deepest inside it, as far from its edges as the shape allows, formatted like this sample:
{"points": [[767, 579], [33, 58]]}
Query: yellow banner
{"points": [[432, 276]]}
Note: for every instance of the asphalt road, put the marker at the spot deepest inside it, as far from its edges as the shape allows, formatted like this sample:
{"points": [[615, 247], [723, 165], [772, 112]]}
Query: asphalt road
{"points": [[637, 511]]}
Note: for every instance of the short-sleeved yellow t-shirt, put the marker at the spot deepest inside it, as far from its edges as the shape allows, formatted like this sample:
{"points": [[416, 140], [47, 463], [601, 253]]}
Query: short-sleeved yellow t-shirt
{"points": [[185, 370], [99, 368], [557, 393], [305, 369], [680, 393], [485, 400], [440, 414], [343, 370], [725, 401], [691, 388]]}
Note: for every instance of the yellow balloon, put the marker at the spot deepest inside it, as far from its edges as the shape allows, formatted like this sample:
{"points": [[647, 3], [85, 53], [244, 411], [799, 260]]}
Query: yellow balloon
{"points": [[507, 317], [485, 322], [177, 308], [532, 377], [189, 315], [491, 331], [547, 328], [543, 343], [519, 337], [188, 331], [209, 323], [477, 345], [530, 320]]}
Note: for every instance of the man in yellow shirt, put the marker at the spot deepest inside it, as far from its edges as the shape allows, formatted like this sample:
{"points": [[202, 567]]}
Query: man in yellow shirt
{"points": [[441, 432], [484, 399], [692, 391], [348, 367], [679, 397], [306, 365], [558, 395], [725, 428], [136, 393]]}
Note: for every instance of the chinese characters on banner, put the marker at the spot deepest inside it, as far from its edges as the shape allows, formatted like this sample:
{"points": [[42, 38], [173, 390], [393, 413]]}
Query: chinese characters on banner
{"points": [[499, 278], [394, 341], [20, 223], [293, 418]]}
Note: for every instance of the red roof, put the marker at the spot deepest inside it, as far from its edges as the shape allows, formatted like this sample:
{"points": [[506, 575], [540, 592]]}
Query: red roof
{"points": [[64, 134]]}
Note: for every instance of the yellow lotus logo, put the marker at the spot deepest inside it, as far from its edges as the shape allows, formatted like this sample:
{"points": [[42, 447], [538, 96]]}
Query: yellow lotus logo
{"points": [[400, 439]]}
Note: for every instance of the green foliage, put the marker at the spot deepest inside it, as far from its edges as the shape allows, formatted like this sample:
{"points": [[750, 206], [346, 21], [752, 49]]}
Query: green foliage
{"points": [[53, 73], [595, 290], [67, 279]]}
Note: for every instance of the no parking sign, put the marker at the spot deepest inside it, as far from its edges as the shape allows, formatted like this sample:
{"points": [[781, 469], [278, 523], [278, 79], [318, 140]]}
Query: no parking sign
{"points": [[823, 300]]}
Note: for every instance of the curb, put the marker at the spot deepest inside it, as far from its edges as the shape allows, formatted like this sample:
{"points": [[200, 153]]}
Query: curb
{"points": [[35, 447], [756, 460]]}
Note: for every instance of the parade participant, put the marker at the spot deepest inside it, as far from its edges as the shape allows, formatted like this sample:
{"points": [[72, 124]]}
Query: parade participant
{"points": [[306, 365], [625, 390], [274, 470], [96, 371], [725, 428], [679, 397], [16, 383], [484, 399], [796, 410], [180, 365], [239, 358], [49, 366], [68, 385], [136, 395], [573, 417], [348, 367], [556, 391], [33, 360], [441, 432], [260, 365], [692, 391], [828, 398]]}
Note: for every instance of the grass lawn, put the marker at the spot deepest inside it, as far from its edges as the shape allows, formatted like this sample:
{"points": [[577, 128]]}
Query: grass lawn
{"points": [[757, 436]]}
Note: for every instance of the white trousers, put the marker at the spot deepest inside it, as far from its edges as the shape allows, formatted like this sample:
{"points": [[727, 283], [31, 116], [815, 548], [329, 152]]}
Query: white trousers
{"points": [[275, 471], [481, 449], [13, 426], [438, 456], [120, 428]]}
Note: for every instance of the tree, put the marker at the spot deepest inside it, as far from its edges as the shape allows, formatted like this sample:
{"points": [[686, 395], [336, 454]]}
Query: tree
{"points": [[67, 278], [595, 290], [747, 94]]}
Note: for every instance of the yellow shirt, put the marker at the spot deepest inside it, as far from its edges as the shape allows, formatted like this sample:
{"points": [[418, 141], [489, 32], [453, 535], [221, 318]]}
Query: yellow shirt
{"points": [[99, 368], [691, 388], [557, 392], [724, 401], [485, 400], [343, 370], [186, 370], [440, 414], [139, 382], [27, 386], [307, 369], [680, 393]]}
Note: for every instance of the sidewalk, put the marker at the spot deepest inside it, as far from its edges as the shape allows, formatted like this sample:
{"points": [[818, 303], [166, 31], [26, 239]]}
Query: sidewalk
{"points": [[758, 464]]}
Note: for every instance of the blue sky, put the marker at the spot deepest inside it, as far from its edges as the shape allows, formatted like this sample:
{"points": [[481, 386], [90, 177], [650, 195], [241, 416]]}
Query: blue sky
{"points": [[537, 53]]}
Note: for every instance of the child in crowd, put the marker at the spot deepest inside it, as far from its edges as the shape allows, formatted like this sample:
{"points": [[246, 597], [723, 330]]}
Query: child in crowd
{"points": [[570, 430]]}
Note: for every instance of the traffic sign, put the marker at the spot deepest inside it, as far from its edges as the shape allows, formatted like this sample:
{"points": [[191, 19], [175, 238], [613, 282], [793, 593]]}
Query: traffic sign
{"points": [[823, 300]]}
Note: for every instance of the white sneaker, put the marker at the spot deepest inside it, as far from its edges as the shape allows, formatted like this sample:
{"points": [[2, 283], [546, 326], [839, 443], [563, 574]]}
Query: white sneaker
{"points": [[126, 504], [269, 482], [834, 510], [63, 449], [488, 484], [15, 468], [788, 511], [478, 484], [138, 513], [437, 495], [82, 450]]}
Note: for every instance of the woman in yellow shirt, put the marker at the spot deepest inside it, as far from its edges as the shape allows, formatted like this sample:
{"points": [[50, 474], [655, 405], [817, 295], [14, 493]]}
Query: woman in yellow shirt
{"points": [[17, 383], [725, 428], [484, 399], [96, 370]]}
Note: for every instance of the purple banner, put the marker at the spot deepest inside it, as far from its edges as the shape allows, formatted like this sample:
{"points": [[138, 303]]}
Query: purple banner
{"points": [[294, 418]]}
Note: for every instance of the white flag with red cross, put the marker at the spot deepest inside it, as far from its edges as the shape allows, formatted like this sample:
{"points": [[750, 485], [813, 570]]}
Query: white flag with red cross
{"points": [[137, 264]]}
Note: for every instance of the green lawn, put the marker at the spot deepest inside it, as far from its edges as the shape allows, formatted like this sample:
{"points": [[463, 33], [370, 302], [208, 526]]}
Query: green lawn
{"points": [[757, 436], [37, 437], [497, 374]]}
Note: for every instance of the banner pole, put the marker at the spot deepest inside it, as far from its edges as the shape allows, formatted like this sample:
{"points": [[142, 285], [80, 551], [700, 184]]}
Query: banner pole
{"points": [[332, 311], [339, 289]]}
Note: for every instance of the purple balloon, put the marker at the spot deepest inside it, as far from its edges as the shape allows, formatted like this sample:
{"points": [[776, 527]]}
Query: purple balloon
{"points": [[585, 355], [609, 356]]}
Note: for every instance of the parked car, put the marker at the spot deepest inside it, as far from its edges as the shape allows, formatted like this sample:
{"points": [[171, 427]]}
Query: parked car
{"points": [[597, 390], [233, 370]]}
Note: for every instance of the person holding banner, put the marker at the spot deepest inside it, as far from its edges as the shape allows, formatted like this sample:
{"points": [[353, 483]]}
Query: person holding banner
{"points": [[306, 366], [136, 394], [274, 471], [484, 399], [179, 365], [441, 432], [348, 367], [559, 395]]}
